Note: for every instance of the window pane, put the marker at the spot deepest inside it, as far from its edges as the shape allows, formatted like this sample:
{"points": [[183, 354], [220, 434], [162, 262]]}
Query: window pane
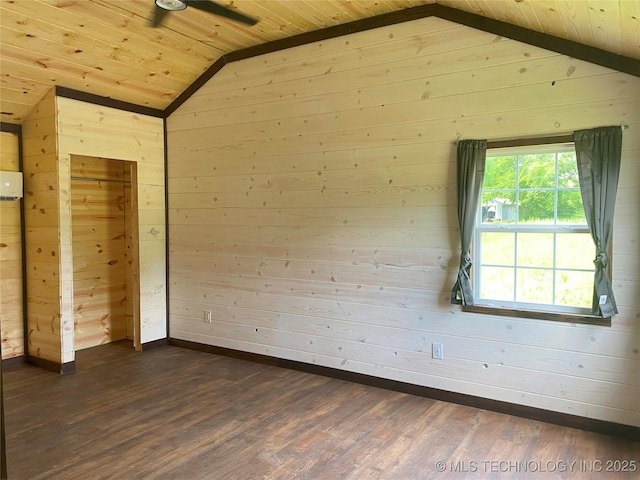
{"points": [[535, 250], [574, 289], [499, 207], [537, 171], [532, 200], [534, 286], [499, 173], [498, 248], [575, 250], [567, 170], [497, 283], [570, 208], [536, 207]]}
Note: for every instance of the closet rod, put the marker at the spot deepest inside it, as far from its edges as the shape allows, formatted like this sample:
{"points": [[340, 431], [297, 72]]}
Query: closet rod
{"points": [[93, 179]]}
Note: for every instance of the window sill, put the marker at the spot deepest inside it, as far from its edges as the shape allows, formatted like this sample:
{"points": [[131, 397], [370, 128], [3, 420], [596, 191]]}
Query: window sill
{"points": [[538, 315]]}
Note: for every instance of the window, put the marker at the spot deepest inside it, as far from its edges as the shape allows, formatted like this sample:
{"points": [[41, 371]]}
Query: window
{"points": [[532, 246]]}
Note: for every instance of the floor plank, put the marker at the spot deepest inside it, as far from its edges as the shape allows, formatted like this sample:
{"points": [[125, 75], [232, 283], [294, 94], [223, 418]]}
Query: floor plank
{"points": [[173, 413]]}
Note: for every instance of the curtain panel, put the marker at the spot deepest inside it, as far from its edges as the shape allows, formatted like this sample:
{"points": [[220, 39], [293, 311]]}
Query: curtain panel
{"points": [[598, 153], [471, 158]]}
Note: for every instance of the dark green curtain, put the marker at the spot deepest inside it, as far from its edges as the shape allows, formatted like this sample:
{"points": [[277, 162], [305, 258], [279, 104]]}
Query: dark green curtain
{"points": [[471, 159], [598, 153]]}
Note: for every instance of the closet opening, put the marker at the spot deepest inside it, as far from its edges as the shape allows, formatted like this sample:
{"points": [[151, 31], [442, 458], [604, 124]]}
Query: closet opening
{"points": [[104, 216]]}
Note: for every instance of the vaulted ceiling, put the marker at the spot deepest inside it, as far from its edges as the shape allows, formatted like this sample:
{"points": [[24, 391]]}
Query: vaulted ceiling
{"points": [[108, 47]]}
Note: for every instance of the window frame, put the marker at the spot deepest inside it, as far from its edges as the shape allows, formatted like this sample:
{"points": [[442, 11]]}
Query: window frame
{"points": [[522, 309]]}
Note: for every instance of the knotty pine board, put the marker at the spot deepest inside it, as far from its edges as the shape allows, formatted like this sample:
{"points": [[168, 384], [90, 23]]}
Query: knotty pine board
{"points": [[22, 63], [430, 318], [99, 272], [266, 156], [52, 136], [96, 131], [45, 319], [350, 63], [406, 121], [11, 298], [392, 335], [131, 255], [414, 360], [444, 382]]}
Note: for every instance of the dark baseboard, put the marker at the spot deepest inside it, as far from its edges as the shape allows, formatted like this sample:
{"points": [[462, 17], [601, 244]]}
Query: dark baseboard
{"points": [[226, 352], [532, 413], [63, 368], [9, 364], [154, 344]]}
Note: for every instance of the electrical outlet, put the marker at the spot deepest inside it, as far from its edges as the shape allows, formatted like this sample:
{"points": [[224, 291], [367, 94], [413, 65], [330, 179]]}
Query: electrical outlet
{"points": [[437, 351], [207, 316]]}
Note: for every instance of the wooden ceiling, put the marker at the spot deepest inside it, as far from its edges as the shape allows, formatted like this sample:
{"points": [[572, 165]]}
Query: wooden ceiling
{"points": [[107, 47]]}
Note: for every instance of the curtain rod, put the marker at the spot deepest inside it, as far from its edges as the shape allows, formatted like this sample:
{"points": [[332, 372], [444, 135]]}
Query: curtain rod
{"points": [[525, 142]]}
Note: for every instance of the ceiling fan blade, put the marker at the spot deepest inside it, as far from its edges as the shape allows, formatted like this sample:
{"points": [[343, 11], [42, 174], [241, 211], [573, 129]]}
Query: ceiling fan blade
{"points": [[217, 9], [158, 16]]}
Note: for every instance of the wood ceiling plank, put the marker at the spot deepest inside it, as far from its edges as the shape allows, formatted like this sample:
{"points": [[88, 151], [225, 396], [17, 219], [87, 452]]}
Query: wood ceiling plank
{"points": [[96, 57], [317, 12], [16, 97], [15, 113], [387, 6], [470, 6], [239, 33], [511, 12], [551, 21], [353, 10], [81, 76], [273, 21], [22, 63], [192, 24], [117, 26], [605, 24], [491, 10], [525, 14], [477, 7], [11, 81], [630, 28], [12, 113], [104, 45], [327, 10], [576, 21], [290, 19], [300, 15], [149, 66]]}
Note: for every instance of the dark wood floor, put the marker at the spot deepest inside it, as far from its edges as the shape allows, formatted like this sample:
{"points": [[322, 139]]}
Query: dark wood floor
{"points": [[173, 413]]}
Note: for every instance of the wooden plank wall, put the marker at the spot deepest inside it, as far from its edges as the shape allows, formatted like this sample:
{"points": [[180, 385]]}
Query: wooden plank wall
{"points": [[132, 254], [11, 314], [99, 251], [95, 131], [58, 129], [312, 210], [45, 321]]}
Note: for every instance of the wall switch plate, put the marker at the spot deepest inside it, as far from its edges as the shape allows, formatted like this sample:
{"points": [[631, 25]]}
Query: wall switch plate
{"points": [[437, 351], [207, 316]]}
